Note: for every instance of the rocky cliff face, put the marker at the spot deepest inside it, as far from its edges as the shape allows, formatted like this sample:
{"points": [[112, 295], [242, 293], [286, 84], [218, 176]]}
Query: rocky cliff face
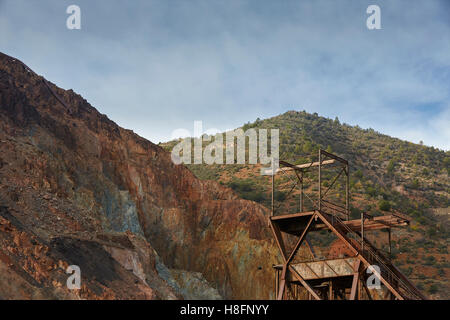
{"points": [[75, 188]]}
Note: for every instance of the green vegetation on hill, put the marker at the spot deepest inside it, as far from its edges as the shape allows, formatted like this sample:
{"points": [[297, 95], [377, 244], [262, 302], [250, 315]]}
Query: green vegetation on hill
{"points": [[387, 174]]}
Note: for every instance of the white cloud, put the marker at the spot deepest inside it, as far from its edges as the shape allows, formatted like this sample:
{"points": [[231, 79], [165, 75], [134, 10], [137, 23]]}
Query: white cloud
{"points": [[158, 66]]}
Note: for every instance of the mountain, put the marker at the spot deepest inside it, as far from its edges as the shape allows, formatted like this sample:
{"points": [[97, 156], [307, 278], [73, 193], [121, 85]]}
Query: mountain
{"points": [[77, 189], [386, 174]]}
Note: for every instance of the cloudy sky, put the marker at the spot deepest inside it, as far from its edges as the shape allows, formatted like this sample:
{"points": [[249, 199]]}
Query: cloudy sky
{"points": [[156, 66]]}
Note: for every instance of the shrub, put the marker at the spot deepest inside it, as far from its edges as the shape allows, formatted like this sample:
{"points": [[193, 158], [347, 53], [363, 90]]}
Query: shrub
{"points": [[408, 271], [433, 289], [371, 191], [355, 213], [358, 174], [414, 184], [279, 196], [430, 260], [247, 190], [390, 168], [384, 205]]}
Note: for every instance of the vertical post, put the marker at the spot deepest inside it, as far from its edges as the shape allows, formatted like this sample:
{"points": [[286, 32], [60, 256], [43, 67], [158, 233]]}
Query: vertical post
{"points": [[320, 182], [277, 276], [273, 186], [359, 289], [330, 295], [301, 191], [390, 248], [362, 232], [347, 192]]}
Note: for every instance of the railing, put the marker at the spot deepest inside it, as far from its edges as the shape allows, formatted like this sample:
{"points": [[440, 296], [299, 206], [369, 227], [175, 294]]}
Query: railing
{"points": [[375, 257]]}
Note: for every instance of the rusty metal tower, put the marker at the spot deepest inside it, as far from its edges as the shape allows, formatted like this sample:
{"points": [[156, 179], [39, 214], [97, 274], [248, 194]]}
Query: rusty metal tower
{"points": [[344, 273]]}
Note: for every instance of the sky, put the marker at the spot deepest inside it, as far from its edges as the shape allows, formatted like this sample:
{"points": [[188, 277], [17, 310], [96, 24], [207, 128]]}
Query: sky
{"points": [[158, 66]]}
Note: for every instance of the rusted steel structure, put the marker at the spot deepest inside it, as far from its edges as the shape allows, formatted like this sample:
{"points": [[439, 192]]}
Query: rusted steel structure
{"points": [[338, 277]]}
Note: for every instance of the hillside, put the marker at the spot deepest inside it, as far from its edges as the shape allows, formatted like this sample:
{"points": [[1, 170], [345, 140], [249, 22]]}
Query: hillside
{"points": [[77, 189], [387, 174]]}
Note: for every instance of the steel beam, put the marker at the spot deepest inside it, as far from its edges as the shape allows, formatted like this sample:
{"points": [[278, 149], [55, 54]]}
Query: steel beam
{"points": [[304, 165]]}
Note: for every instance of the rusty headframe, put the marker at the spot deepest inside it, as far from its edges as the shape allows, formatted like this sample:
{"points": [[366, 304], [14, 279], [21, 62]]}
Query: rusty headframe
{"points": [[343, 277]]}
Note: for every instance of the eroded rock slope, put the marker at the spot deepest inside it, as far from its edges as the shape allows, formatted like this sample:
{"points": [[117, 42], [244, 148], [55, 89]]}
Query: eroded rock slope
{"points": [[75, 188]]}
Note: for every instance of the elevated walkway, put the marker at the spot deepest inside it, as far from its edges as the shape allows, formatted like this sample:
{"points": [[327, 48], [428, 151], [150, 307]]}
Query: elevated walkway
{"points": [[343, 277], [295, 222]]}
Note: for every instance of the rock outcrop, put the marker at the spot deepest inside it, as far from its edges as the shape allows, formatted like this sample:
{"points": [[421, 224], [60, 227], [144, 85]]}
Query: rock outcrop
{"points": [[78, 189]]}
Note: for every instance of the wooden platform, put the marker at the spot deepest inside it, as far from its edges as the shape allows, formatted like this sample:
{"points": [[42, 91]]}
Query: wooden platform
{"points": [[324, 269], [295, 223]]}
